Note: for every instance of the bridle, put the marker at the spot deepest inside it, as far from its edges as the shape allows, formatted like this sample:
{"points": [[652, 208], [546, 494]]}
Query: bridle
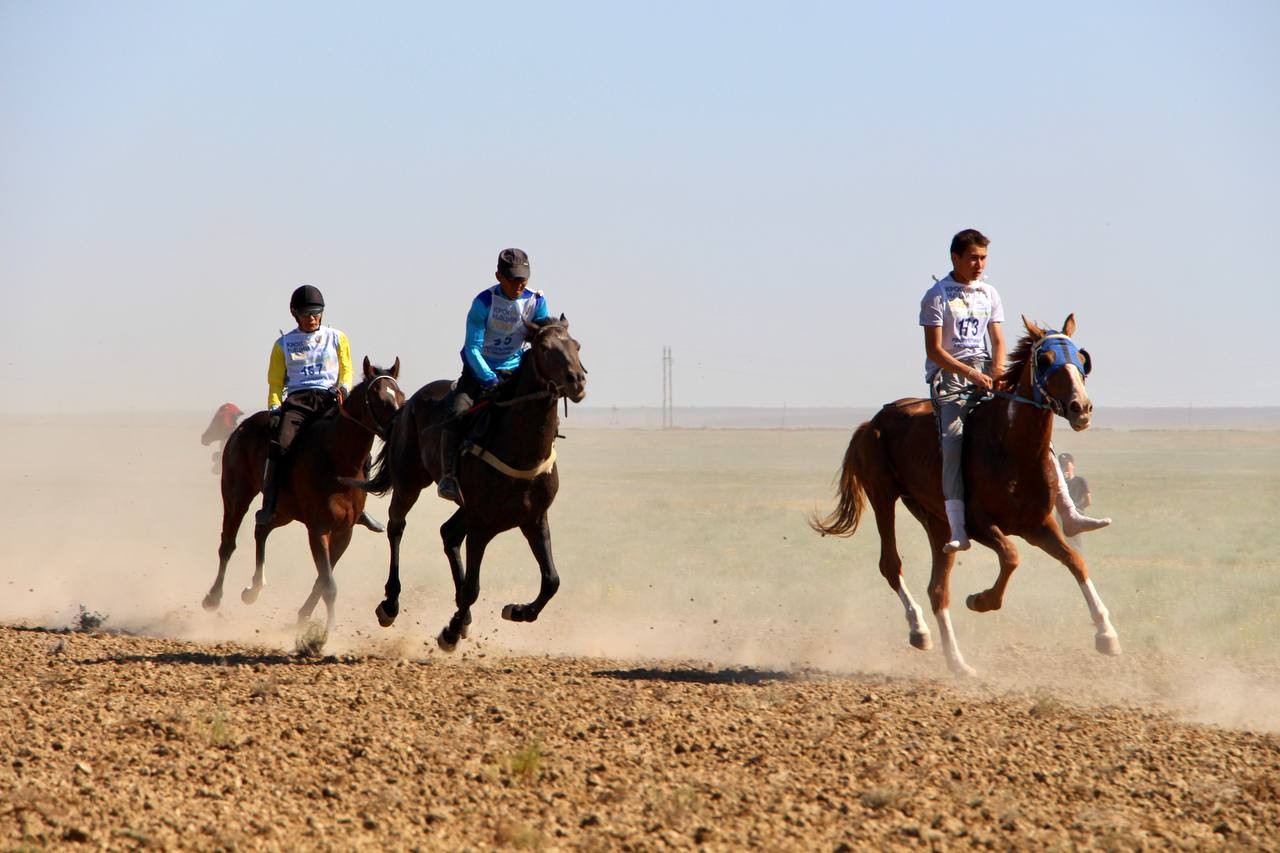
{"points": [[379, 429], [551, 389], [1067, 353]]}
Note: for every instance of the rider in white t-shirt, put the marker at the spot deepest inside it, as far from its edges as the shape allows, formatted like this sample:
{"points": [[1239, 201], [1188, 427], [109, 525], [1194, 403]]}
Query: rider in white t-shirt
{"points": [[964, 348]]}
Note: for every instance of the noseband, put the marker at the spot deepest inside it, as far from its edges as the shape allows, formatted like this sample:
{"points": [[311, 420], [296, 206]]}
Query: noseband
{"points": [[378, 429]]}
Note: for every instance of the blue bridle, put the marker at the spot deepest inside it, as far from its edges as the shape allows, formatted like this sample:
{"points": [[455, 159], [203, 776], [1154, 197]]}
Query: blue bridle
{"points": [[1064, 351]]}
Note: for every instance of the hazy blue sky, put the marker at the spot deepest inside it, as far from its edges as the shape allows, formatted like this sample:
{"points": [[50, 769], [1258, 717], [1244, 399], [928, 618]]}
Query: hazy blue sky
{"points": [[764, 187]]}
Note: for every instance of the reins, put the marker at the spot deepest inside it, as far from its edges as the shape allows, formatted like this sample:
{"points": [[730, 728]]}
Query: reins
{"points": [[379, 430]]}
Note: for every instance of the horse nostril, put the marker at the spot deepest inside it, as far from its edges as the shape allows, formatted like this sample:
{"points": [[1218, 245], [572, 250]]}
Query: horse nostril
{"points": [[1076, 407]]}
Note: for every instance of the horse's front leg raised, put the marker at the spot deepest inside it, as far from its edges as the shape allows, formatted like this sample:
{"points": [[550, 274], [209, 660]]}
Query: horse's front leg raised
{"points": [[1007, 554], [1049, 538], [538, 534], [466, 583]]}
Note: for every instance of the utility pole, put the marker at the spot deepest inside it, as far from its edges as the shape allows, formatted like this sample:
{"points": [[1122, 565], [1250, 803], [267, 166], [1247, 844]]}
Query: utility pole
{"points": [[668, 410]]}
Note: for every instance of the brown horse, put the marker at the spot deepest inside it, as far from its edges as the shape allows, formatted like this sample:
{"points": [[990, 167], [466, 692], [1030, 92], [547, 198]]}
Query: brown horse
{"points": [[509, 482], [1009, 481], [311, 491], [219, 429]]}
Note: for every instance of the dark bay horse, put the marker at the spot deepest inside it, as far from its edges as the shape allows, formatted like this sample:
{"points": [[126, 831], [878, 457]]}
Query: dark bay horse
{"points": [[509, 482], [1009, 481], [331, 449]]}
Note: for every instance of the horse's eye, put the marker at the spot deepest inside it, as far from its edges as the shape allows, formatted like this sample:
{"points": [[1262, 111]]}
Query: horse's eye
{"points": [[1086, 361], [1044, 361]]}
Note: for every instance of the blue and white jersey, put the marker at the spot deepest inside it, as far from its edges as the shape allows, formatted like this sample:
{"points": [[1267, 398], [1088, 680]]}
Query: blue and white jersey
{"points": [[496, 331], [964, 312]]}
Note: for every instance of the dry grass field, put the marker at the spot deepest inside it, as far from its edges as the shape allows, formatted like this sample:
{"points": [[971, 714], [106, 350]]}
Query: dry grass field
{"points": [[697, 611]]}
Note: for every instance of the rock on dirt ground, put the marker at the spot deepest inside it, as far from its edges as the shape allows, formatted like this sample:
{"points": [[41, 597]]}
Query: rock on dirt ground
{"points": [[127, 742]]}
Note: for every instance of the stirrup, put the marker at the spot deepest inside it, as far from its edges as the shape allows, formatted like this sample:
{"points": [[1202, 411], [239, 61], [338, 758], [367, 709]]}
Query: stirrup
{"points": [[449, 489]]}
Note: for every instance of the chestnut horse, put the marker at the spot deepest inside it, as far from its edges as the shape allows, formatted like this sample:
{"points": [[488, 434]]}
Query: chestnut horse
{"points": [[1009, 481], [311, 491], [509, 482]]}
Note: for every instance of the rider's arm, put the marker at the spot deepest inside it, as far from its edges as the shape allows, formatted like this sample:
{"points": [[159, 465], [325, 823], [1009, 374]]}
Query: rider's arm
{"points": [[540, 309], [275, 377], [995, 331], [345, 374], [477, 317], [933, 349]]}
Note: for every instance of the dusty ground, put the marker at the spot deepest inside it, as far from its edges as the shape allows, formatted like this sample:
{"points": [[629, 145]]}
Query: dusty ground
{"points": [[711, 673], [124, 742]]}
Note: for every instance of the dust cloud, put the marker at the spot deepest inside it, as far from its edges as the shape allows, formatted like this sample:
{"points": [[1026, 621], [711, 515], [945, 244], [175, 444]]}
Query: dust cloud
{"points": [[686, 546]]}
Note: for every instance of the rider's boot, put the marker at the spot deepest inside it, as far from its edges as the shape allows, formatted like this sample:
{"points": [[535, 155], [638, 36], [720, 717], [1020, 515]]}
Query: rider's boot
{"points": [[448, 487], [959, 537], [1073, 523], [365, 519], [270, 490]]}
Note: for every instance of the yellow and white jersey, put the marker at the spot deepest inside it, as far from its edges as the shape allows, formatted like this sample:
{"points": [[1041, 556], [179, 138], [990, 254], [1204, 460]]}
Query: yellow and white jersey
{"points": [[308, 360]]}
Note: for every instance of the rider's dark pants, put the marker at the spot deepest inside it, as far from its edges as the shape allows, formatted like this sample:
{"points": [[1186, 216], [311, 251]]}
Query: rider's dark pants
{"points": [[298, 410]]}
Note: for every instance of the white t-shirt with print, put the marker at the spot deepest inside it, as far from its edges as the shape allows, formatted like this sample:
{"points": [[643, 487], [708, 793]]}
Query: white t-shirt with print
{"points": [[963, 312]]}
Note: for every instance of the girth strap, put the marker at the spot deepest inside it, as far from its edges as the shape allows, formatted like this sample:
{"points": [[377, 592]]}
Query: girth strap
{"points": [[543, 467]]}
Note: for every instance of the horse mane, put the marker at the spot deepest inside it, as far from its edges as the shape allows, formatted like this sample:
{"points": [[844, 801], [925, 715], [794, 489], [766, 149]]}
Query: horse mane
{"points": [[1017, 361]]}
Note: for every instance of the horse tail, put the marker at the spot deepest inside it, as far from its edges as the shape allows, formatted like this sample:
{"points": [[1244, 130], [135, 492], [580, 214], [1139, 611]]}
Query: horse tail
{"points": [[843, 520]]}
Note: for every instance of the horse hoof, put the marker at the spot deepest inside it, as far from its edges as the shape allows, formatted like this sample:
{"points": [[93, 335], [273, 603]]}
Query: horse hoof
{"points": [[971, 602], [250, 594], [386, 618], [921, 640], [212, 602], [963, 670], [444, 644], [1107, 644], [509, 613]]}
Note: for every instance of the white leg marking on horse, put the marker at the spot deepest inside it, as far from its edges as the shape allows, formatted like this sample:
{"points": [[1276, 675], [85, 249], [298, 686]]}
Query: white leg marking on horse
{"points": [[915, 616], [1098, 610], [954, 659]]}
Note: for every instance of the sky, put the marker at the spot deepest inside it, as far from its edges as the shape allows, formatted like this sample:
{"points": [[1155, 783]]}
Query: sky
{"points": [[764, 187]]}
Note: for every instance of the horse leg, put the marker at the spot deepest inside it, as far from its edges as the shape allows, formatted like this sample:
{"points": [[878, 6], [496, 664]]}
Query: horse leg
{"points": [[467, 592], [891, 570], [452, 533], [1049, 539], [232, 515], [1007, 553], [402, 500], [538, 534], [260, 533], [940, 592], [325, 587]]}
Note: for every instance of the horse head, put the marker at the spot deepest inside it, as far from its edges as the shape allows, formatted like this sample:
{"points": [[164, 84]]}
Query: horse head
{"points": [[1056, 369], [375, 401], [555, 358]]}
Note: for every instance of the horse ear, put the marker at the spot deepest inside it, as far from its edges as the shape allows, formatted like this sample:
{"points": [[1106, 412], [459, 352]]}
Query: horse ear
{"points": [[395, 369], [368, 368], [563, 319], [1033, 330], [1069, 325]]}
